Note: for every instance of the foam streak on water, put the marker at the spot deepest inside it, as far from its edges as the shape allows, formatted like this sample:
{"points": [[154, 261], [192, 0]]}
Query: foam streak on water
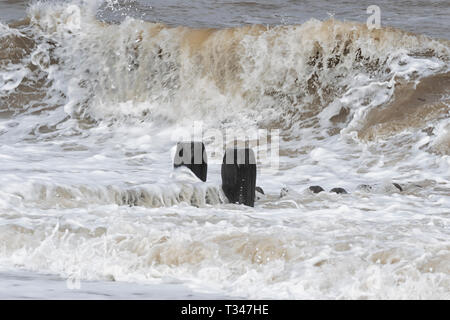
{"points": [[90, 111]]}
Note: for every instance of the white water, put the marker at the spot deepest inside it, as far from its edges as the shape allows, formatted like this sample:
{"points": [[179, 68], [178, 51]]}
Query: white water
{"points": [[101, 139]]}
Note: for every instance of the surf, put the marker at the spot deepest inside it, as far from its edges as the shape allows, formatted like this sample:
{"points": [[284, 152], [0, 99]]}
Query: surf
{"points": [[88, 114]]}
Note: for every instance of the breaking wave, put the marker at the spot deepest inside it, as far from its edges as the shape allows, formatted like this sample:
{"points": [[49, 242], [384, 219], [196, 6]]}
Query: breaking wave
{"points": [[86, 109], [326, 76]]}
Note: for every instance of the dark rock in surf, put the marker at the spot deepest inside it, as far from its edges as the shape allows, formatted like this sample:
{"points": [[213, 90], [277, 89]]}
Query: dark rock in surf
{"points": [[239, 176], [398, 187], [365, 187], [284, 192], [316, 189], [339, 191], [193, 156], [259, 193]]}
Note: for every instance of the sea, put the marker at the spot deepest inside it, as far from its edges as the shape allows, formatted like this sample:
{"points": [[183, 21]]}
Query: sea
{"points": [[95, 95]]}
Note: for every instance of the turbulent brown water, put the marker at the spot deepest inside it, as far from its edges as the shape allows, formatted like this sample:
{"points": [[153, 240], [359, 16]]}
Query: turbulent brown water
{"points": [[92, 103]]}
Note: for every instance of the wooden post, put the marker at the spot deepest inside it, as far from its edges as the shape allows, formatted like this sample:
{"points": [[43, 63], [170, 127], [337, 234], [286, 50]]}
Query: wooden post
{"points": [[239, 176], [193, 156]]}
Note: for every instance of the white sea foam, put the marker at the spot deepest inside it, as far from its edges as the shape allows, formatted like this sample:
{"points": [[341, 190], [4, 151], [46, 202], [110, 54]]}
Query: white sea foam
{"points": [[88, 190]]}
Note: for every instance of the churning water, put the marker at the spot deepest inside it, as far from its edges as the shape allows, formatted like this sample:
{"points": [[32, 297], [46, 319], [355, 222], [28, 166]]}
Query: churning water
{"points": [[92, 94]]}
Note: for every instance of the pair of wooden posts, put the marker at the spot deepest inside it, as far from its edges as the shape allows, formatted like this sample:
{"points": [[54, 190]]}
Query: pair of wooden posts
{"points": [[238, 169]]}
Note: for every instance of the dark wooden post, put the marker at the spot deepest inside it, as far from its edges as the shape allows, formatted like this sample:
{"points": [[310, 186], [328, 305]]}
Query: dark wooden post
{"points": [[239, 176], [192, 155]]}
